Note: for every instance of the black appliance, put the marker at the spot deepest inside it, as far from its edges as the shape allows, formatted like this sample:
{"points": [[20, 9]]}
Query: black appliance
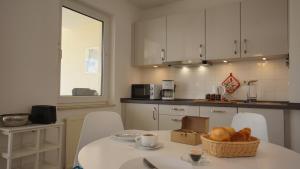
{"points": [[145, 91], [43, 114]]}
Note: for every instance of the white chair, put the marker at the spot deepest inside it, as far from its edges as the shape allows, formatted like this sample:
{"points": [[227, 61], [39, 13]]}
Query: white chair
{"points": [[97, 125], [256, 122]]}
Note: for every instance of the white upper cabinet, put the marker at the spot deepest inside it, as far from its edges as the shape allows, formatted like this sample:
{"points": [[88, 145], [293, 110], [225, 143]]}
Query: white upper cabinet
{"points": [[186, 36], [150, 41], [223, 31], [264, 27]]}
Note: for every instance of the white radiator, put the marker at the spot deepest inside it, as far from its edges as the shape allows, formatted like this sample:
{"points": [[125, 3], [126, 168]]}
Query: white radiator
{"points": [[73, 128]]}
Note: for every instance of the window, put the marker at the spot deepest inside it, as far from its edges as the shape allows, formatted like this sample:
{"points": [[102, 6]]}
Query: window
{"points": [[83, 70]]}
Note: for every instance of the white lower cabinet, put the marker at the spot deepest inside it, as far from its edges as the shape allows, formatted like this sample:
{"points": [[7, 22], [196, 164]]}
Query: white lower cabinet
{"points": [[218, 116], [141, 116], [170, 116], [275, 123]]}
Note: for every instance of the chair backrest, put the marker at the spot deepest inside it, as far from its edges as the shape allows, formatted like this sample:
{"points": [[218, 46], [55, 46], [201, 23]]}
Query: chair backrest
{"points": [[256, 122], [98, 125]]}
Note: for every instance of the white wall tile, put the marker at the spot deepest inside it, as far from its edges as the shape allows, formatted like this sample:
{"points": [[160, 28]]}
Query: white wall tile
{"points": [[195, 82]]}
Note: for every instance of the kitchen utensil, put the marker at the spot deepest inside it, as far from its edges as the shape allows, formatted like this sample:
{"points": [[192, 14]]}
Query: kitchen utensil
{"points": [[149, 164], [14, 120]]}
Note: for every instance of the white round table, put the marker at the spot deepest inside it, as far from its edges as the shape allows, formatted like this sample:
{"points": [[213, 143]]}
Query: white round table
{"points": [[108, 153]]}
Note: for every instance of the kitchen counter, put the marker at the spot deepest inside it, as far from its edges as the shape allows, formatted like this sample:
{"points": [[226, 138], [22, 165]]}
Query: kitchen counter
{"points": [[237, 103]]}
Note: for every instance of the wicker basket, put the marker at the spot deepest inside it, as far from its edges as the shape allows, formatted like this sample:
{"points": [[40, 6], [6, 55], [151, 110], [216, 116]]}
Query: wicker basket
{"points": [[230, 149]]}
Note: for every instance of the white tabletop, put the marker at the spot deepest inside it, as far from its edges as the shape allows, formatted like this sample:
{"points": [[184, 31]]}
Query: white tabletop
{"points": [[107, 153]]}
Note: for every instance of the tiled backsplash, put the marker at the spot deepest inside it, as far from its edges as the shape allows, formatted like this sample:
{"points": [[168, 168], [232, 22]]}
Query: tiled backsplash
{"points": [[195, 82]]}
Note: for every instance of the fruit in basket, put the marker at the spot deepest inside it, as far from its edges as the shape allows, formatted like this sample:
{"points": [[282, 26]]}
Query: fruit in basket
{"points": [[219, 134]]}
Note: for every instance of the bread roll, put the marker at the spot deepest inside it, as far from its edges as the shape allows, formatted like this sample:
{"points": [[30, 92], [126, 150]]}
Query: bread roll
{"points": [[230, 130], [219, 134], [242, 135]]}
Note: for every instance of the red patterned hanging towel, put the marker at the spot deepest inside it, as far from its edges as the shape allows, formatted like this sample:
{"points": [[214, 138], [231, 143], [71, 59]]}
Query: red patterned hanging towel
{"points": [[231, 84]]}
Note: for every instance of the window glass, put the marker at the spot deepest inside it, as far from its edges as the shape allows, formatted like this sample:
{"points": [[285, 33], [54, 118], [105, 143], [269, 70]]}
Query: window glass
{"points": [[82, 58]]}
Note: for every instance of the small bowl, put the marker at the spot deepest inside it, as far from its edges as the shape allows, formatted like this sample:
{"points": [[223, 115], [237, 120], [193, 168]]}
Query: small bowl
{"points": [[14, 120]]}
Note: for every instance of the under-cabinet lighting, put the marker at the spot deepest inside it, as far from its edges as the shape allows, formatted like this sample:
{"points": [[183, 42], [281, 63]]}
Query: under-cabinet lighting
{"points": [[264, 59], [155, 66], [225, 61]]}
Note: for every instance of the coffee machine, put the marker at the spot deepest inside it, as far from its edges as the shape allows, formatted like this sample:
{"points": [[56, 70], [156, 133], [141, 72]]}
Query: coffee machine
{"points": [[168, 90]]}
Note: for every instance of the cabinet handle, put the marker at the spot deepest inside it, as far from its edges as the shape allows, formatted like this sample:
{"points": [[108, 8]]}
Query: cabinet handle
{"points": [[245, 46], [178, 109], [200, 50], [235, 47], [218, 111], [176, 120], [163, 55], [153, 113]]}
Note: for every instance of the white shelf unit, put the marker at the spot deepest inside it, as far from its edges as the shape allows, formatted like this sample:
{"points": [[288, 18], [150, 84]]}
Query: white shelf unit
{"points": [[31, 147]]}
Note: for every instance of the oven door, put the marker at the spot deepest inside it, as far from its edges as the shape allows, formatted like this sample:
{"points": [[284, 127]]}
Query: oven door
{"points": [[140, 91]]}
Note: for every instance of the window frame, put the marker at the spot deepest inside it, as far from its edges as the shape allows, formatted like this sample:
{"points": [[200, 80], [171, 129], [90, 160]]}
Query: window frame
{"points": [[106, 36]]}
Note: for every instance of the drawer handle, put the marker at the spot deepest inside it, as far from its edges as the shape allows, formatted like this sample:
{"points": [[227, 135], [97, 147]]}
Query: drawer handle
{"points": [[176, 120], [218, 111], [178, 109]]}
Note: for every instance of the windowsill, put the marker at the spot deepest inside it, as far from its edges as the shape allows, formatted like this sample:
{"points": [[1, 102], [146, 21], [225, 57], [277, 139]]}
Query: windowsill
{"points": [[88, 105]]}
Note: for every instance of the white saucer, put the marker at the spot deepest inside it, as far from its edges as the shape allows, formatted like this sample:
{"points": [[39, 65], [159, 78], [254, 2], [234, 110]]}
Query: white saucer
{"points": [[126, 136], [138, 145]]}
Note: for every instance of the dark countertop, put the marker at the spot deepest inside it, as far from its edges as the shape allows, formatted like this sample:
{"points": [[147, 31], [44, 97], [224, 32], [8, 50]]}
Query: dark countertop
{"points": [[197, 102]]}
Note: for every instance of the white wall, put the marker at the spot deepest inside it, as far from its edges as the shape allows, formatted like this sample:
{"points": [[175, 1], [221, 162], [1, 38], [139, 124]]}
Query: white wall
{"points": [[28, 54], [29, 58], [195, 83], [294, 94]]}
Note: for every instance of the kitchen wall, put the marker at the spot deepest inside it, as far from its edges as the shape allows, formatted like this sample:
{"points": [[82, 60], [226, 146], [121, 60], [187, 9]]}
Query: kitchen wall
{"points": [[28, 54], [294, 94], [195, 82]]}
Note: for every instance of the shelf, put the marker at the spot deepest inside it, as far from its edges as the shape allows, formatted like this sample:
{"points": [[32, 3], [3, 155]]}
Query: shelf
{"points": [[22, 152], [48, 147]]}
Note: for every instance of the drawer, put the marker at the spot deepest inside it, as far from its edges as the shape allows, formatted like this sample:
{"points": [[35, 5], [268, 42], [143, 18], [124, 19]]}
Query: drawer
{"points": [[218, 116], [178, 110], [167, 122]]}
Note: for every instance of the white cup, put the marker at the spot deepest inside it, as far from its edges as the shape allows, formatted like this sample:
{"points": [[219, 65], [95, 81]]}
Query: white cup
{"points": [[147, 140]]}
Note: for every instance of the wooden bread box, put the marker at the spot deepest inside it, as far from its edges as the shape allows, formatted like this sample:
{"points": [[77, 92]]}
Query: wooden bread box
{"points": [[191, 130]]}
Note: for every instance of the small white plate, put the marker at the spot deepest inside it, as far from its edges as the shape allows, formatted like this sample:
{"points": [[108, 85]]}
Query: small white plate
{"points": [[138, 145], [126, 136]]}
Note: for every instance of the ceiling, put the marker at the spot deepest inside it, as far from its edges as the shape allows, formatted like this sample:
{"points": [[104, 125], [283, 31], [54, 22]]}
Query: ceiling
{"points": [[146, 4]]}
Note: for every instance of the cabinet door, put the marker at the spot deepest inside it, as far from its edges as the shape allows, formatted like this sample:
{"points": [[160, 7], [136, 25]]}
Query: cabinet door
{"points": [[275, 123], [186, 36], [167, 122], [141, 116], [150, 41], [264, 27], [218, 116], [223, 31]]}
